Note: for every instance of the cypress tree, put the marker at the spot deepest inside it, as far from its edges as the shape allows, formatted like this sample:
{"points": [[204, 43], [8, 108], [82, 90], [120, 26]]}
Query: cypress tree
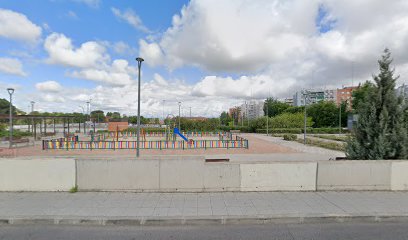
{"points": [[381, 130]]}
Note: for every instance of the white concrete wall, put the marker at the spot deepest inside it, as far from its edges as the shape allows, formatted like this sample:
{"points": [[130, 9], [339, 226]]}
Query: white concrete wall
{"points": [[164, 174], [399, 175], [354, 175], [193, 174], [297, 176], [107, 175], [54, 174]]}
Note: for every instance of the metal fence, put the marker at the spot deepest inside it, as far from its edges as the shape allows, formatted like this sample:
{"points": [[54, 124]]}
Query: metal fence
{"points": [[113, 145]]}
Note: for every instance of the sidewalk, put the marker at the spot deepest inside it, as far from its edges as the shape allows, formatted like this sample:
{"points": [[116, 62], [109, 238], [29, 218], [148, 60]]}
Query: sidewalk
{"points": [[100, 208]]}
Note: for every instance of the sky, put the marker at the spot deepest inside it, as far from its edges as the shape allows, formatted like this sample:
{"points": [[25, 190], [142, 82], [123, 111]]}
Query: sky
{"points": [[209, 55]]}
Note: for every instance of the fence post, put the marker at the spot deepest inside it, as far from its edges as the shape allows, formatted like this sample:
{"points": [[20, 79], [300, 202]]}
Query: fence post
{"points": [[205, 144], [183, 145], [160, 145], [43, 144]]}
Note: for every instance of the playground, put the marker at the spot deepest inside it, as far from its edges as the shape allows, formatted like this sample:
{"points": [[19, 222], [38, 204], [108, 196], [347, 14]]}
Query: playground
{"points": [[148, 140]]}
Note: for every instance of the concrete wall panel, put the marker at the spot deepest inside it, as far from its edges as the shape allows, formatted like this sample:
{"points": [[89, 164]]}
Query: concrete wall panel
{"points": [[137, 175], [298, 176], [53, 174], [354, 175], [399, 176]]}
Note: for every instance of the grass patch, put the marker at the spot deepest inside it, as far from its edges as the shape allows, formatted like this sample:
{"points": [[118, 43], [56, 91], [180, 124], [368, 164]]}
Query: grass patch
{"points": [[74, 189], [332, 137], [322, 144]]}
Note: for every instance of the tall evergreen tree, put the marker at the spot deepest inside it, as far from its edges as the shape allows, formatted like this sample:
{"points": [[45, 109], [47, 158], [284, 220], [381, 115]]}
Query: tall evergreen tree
{"points": [[381, 131]]}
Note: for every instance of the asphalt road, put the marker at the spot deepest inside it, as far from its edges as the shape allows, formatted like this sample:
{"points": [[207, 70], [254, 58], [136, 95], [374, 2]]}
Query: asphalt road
{"points": [[228, 232]]}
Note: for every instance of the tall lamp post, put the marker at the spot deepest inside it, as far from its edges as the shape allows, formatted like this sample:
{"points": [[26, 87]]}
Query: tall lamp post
{"points": [[139, 65], [179, 103], [11, 91], [340, 117], [305, 94]]}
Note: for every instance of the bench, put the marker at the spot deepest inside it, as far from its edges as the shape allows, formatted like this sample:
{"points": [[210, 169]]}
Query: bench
{"points": [[18, 141]]}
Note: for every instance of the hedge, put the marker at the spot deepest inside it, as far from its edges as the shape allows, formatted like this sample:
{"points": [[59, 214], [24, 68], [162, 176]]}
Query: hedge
{"points": [[300, 130]]}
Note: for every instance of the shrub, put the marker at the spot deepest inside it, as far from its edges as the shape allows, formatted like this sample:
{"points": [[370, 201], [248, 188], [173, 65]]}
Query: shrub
{"points": [[290, 137], [74, 189]]}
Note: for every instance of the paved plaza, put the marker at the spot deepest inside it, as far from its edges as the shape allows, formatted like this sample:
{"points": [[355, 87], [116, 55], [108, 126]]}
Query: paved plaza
{"points": [[260, 147]]}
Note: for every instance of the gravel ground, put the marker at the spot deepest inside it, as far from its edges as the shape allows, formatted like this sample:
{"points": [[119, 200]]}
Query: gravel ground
{"points": [[300, 147]]}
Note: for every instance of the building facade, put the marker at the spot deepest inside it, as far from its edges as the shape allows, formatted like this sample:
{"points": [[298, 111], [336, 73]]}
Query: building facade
{"points": [[345, 94], [252, 109], [403, 91]]}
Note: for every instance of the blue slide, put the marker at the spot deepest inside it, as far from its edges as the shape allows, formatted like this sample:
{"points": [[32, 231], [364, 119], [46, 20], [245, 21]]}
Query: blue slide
{"points": [[177, 131]]}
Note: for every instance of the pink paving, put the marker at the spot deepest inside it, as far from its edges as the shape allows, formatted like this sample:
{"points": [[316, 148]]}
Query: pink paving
{"points": [[256, 146]]}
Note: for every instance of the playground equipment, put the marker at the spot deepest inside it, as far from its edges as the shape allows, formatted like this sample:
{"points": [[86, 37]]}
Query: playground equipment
{"points": [[177, 131]]}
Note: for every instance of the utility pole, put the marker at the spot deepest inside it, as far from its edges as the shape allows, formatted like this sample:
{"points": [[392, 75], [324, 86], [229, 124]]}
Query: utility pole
{"points": [[179, 103], [164, 101], [305, 103], [11, 91], [139, 64], [267, 118], [340, 117]]}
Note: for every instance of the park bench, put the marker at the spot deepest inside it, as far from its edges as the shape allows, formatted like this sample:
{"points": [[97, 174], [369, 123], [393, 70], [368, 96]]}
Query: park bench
{"points": [[18, 141]]}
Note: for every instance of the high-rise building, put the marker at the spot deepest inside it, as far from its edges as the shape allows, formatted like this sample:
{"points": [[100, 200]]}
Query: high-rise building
{"points": [[403, 91], [345, 94], [252, 109]]}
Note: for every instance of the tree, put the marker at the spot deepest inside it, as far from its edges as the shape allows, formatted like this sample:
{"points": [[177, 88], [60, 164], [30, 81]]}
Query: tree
{"points": [[290, 120], [273, 107], [98, 115], [113, 115], [381, 130], [225, 118], [5, 107], [324, 114], [361, 93]]}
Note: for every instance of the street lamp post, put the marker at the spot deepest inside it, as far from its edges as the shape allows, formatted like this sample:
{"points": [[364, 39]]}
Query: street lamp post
{"points": [[11, 91], [179, 103], [164, 101], [305, 103], [340, 117], [139, 65]]}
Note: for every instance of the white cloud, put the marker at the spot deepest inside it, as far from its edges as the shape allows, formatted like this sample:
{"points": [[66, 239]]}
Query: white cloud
{"points": [[131, 18], [48, 86], [53, 98], [71, 14], [152, 52], [17, 26], [12, 66], [245, 87], [123, 48], [118, 74], [61, 51], [90, 3]]}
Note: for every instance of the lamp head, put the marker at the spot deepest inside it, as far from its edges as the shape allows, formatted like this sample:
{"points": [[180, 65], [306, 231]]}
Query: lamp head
{"points": [[10, 90], [139, 59]]}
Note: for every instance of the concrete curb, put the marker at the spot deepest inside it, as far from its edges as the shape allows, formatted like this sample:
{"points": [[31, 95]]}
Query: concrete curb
{"points": [[219, 220]]}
